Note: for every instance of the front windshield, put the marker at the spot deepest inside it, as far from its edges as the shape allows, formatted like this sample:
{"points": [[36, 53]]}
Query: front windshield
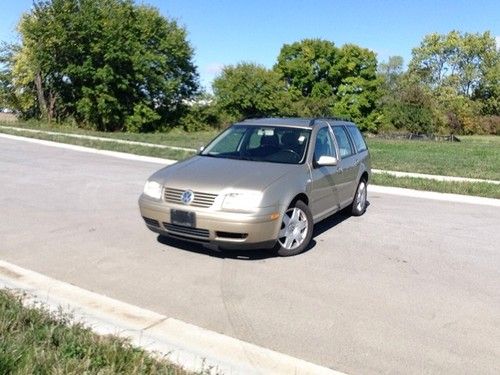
{"points": [[273, 144]]}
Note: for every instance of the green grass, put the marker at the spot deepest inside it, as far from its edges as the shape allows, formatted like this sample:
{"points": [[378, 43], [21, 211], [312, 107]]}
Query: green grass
{"points": [[34, 341], [175, 137], [474, 156], [480, 189]]}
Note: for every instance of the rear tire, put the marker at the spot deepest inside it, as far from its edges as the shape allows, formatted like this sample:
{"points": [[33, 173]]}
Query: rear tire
{"points": [[358, 206], [296, 230]]}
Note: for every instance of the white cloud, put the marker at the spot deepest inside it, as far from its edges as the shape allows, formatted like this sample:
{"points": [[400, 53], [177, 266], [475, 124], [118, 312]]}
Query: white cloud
{"points": [[497, 39]]}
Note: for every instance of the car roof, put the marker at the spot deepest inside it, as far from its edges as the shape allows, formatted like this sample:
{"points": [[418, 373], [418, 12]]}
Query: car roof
{"points": [[303, 122]]}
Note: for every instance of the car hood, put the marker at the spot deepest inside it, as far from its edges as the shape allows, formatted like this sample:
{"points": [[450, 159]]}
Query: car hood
{"points": [[211, 175]]}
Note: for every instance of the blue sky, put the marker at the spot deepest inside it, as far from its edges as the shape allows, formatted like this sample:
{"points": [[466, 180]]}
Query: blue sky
{"points": [[229, 31]]}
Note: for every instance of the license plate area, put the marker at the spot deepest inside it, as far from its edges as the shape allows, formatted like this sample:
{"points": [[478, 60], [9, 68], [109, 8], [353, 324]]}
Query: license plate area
{"points": [[183, 218]]}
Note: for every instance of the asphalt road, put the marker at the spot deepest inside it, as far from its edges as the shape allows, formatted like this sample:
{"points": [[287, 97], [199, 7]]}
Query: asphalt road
{"points": [[413, 286]]}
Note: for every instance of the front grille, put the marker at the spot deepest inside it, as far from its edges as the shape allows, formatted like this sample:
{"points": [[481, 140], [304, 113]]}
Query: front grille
{"points": [[179, 229], [204, 200], [151, 222]]}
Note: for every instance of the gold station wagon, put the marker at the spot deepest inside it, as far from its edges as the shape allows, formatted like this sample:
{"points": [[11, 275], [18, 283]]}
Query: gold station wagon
{"points": [[262, 183]]}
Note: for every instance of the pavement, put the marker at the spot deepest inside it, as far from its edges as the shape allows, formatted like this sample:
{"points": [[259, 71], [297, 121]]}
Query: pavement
{"points": [[412, 286]]}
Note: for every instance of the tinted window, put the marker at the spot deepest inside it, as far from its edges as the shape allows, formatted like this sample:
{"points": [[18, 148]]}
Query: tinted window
{"points": [[345, 147], [357, 138], [324, 144]]}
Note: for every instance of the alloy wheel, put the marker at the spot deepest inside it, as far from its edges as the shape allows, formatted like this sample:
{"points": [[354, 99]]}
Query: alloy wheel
{"points": [[294, 228]]}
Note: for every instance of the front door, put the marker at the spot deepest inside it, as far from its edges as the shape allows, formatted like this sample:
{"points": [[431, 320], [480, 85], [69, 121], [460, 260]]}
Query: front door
{"points": [[324, 195]]}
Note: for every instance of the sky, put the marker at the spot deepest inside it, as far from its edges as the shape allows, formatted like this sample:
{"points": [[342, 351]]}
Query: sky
{"points": [[225, 32]]}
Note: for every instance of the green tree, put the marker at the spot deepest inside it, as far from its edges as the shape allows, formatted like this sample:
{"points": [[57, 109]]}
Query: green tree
{"points": [[308, 66], [109, 64], [357, 91], [457, 60], [462, 71], [250, 90], [324, 80]]}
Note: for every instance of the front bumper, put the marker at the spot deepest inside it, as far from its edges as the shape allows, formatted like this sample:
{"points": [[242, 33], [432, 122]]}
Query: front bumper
{"points": [[223, 229]]}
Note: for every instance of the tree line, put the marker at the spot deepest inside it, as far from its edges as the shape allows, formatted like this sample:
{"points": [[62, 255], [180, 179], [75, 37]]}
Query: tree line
{"points": [[113, 65]]}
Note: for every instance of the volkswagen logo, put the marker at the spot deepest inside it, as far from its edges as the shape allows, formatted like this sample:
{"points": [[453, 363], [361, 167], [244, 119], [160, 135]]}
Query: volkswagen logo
{"points": [[187, 197]]}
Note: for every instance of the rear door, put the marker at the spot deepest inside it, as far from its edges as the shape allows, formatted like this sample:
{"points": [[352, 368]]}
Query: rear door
{"points": [[348, 166]]}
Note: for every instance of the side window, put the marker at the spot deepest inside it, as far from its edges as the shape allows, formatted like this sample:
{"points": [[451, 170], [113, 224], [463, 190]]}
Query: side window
{"points": [[357, 138], [324, 144], [345, 147]]}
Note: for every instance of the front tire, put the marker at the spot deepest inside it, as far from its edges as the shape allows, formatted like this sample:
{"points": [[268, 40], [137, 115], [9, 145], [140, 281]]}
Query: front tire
{"points": [[358, 206], [296, 230]]}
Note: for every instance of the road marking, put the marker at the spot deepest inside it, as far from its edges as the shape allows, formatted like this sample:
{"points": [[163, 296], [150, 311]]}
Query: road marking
{"points": [[434, 177], [191, 347], [104, 139], [371, 188]]}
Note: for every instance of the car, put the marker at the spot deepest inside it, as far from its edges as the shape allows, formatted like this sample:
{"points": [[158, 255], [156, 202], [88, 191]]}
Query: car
{"points": [[262, 183]]}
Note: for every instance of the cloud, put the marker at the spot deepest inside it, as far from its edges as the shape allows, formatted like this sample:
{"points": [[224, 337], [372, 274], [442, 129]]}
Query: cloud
{"points": [[213, 68], [497, 39]]}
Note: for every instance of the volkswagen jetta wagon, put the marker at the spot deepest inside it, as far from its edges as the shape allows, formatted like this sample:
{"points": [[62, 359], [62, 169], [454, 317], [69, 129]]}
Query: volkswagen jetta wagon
{"points": [[262, 183]]}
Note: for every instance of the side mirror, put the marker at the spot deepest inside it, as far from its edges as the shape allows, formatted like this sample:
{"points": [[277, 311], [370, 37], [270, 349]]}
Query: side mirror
{"points": [[200, 150], [329, 161]]}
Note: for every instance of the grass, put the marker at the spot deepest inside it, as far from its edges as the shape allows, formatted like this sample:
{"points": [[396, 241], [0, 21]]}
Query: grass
{"points": [[35, 341], [474, 156], [481, 189]]}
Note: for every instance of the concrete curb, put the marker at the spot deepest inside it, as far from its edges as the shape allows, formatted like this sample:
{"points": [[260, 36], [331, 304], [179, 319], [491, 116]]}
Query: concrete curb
{"points": [[434, 177], [457, 198], [193, 348]]}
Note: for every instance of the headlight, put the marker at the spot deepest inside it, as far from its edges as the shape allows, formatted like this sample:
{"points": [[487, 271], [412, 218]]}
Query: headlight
{"points": [[248, 201], [153, 189]]}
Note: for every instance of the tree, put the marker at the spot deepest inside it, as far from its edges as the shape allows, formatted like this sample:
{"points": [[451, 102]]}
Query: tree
{"points": [[109, 64], [250, 90], [413, 110], [325, 80], [462, 72], [308, 67], [460, 61], [357, 91]]}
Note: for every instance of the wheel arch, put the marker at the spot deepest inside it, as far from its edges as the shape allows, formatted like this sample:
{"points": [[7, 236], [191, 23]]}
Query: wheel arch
{"points": [[300, 197]]}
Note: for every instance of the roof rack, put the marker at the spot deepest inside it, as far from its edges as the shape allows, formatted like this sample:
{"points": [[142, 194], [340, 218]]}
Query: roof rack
{"points": [[334, 118]]}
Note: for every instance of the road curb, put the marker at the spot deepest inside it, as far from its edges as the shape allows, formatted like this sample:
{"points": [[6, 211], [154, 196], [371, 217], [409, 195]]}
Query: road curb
{"points": [[434, 177], [193, 348], [447, 197]]}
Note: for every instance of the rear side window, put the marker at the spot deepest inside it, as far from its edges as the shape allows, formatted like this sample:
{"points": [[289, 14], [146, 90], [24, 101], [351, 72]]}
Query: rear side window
{"points": [[345, 146], [357, 138]]}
